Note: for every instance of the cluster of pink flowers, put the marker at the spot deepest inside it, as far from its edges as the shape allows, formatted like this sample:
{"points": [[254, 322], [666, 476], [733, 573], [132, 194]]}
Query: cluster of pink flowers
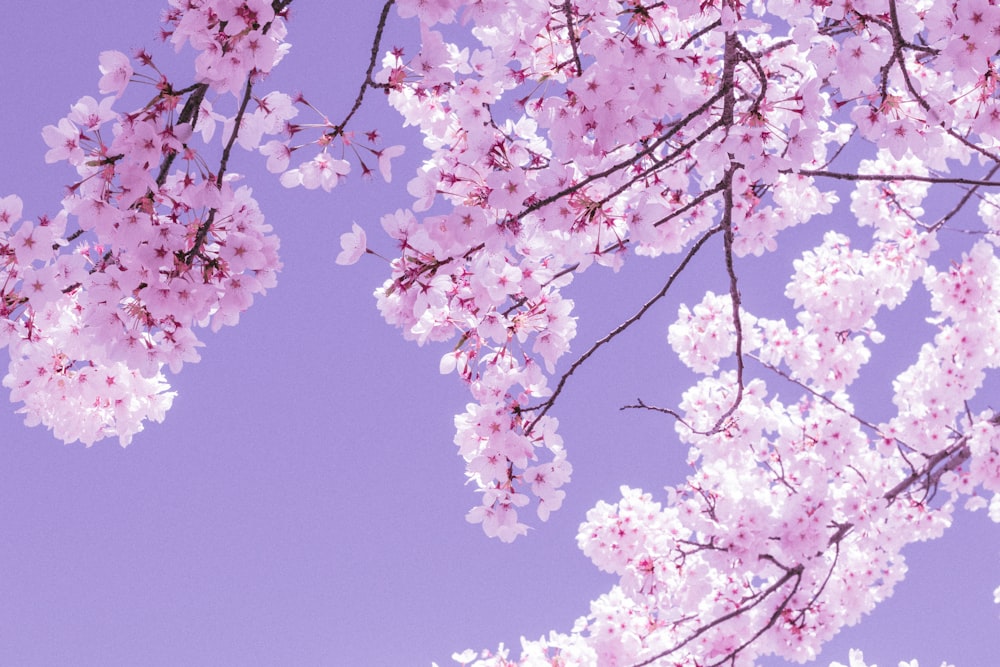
{"points": [[150, 243], [571, 134], [731, 120], [233, 38], [857, 659]]}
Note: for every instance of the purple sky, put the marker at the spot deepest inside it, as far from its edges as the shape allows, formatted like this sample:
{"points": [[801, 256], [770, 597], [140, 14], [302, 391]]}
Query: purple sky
{"points": [[303, 503]]}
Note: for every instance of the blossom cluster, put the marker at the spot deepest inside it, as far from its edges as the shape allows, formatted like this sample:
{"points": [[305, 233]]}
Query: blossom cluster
{"points": [[581, 172], [561, 137], [566, 135], [150, 243]]}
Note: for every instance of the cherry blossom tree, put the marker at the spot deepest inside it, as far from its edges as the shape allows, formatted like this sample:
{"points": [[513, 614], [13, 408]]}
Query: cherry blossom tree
{"points": [[562, 137]]}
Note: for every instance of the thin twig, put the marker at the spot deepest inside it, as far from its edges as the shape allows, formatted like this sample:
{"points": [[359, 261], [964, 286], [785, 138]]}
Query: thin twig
{"points": [[641, 405], [205, 226], [368, 82], [846, 176], [791, 573], [550, 401], [189, 114], [541, 203], [818, 395], [963, 201], [567, 8]]}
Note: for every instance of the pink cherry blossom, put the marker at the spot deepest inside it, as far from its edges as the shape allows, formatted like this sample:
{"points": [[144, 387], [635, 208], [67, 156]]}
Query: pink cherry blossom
{"points": [[117, 72], [91, 114], [322, 171], [353, 244], [11, 207], [557, 138], [64, 142]]}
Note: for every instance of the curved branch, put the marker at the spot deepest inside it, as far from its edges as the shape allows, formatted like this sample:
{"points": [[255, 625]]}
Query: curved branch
{"points": [[189, 114], [567, 8], [791, 573], [963, 201], [641, 405], [845, 176], [368, 82], [732, 58], [550, 401], [551, 199], [205, 226]]}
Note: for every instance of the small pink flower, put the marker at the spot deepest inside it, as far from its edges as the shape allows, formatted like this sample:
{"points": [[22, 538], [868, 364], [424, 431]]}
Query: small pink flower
{"points": [[10, 211], [353, 244], [384, 160], [278, 153], [64, 142], [90, 113], [117, 71]]}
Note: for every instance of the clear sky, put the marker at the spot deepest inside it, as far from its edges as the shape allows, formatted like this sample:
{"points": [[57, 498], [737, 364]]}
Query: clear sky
{"points": [[303, 503]]}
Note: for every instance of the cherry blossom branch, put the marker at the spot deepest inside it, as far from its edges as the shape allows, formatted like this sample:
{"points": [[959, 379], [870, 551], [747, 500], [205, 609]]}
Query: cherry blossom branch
{"points": [[898, 44], [206, 225], [551, 199], [941, 180], [567, 8], [734, 295], [189, 114], [690, 205], [666, 161], [835, 543], [963, 201], [826, 399], [368, 82], [949, 459], [952, 458], [771, 621], [955, 455], [732, 58], [793, 573], [550, 401], [702, 31], [237, 120]]}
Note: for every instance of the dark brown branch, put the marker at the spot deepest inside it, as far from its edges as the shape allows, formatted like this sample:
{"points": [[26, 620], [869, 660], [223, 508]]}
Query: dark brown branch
{"points": [[550, 401], [567, 8], [963, 201], [641, 405], [951, 458], [676, 154], [205, 226], [791, 573], [728, 84], [698, 33], [189, 114], [649, 150], [237, 121], [373, 60], [771, 621], [687, 207], [846, 176]]}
